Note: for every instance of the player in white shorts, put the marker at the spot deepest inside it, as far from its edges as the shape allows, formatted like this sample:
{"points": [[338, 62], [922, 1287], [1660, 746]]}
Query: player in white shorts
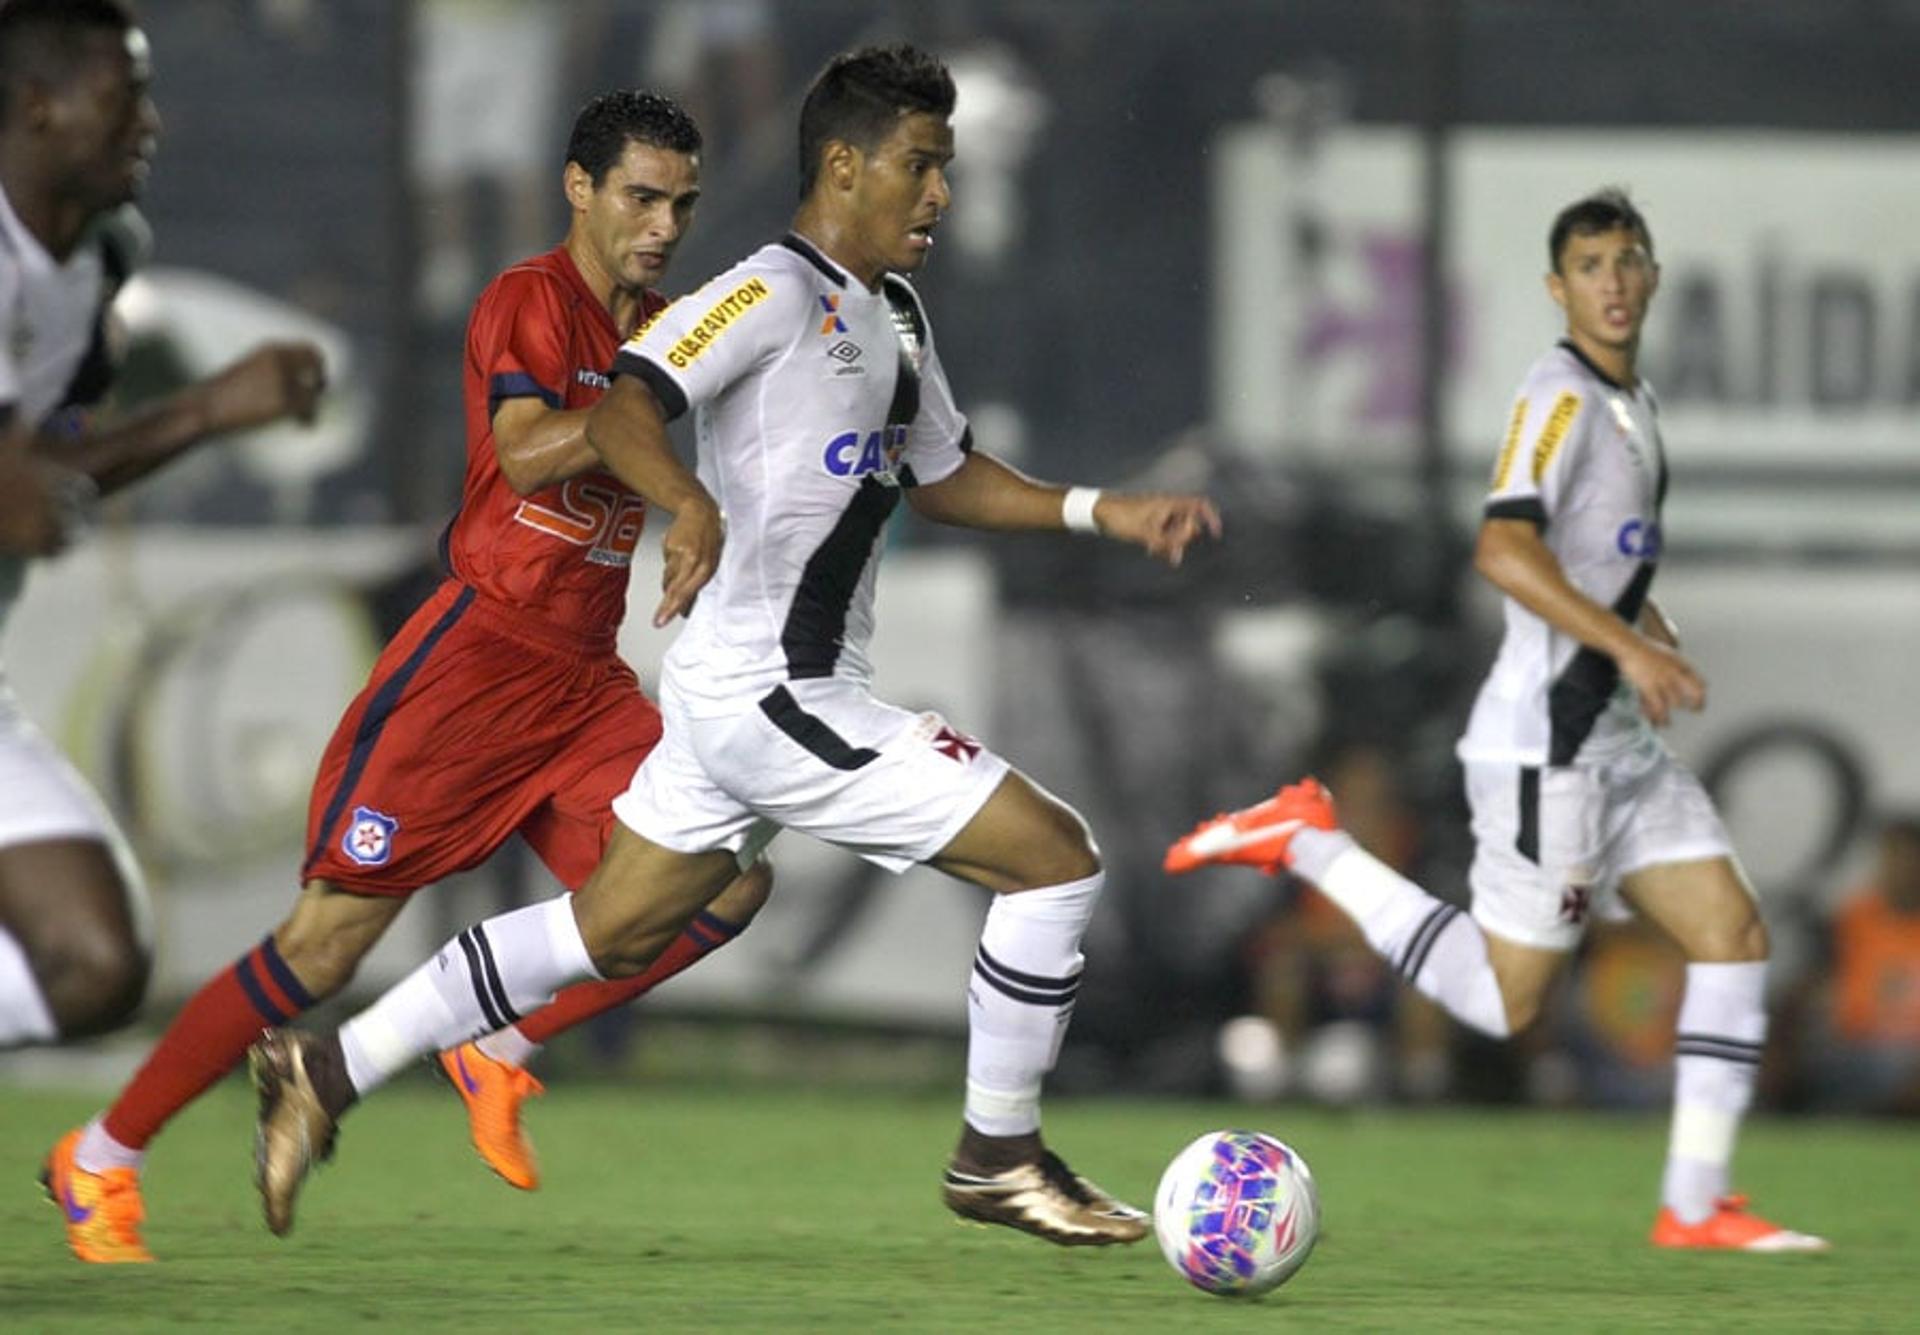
{"points": [[76, 132], [821, 403], [1577, 803]]}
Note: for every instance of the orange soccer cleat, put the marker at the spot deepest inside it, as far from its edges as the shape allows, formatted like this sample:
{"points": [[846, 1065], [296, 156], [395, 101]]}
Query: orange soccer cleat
{"points": [[1730, 1228], [1257, 836], [103, 1210], [493, 1092]]}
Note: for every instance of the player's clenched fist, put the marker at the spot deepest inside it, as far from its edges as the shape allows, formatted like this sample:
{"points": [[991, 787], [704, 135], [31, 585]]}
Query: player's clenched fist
{"points": [[1164, 524], [692, 548], [275, 380]]}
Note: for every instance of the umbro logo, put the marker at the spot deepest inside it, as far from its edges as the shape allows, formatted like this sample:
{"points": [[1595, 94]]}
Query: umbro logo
{"points": [[846, 350]]}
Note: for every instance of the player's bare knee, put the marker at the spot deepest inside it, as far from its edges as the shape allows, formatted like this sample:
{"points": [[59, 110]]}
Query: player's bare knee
{"points": [[93, 980], [1739, 940], [1067, 854]]}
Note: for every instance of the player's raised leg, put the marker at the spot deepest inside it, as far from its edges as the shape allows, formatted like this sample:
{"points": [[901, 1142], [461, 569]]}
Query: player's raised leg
{"points": [[1707, 908], [1488, 983], [1036, 855]]}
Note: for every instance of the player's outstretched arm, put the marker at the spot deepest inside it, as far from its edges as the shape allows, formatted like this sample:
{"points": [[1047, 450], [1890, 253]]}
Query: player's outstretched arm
{"points": [[273, 381], [987, 494], [629, 434], [1512, 557]]}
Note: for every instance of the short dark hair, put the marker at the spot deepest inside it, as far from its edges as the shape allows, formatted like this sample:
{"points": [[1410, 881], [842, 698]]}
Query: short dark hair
{"points": [[46, 40], [1603, 211], [860, 94], [605, 125]]}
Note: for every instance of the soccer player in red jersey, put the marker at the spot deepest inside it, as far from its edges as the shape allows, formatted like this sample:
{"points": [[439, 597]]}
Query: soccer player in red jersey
{"points": [[501, 707]]}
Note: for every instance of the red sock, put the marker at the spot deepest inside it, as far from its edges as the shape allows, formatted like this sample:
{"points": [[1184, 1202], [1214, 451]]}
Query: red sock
{"points": [[583, 1001], [206, 1040]]}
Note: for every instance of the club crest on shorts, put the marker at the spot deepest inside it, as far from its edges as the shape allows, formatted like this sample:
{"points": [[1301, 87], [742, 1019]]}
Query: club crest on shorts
{"points": [[369, 839]]}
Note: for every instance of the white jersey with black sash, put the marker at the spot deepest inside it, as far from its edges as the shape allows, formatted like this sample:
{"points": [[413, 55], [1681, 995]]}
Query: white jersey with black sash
{"points": [[49, 313], [816, 401], [1583, 461]]}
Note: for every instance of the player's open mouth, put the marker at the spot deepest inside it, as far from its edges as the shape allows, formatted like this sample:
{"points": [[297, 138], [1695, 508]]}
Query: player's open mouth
{"points": [[922, 237]]}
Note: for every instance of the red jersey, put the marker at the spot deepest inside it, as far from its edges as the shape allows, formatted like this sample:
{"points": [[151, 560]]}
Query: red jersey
{"points": [[561, 555]]}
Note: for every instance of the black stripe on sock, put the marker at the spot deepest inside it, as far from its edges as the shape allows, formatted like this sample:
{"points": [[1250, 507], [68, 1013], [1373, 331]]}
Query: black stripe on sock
{"points": [[479, 981], [1052, 1000], [1415, 955], [1039, 981], [1714, 1045], [250, 984], [499, 988], [284, 976], [1031, 989], [1749, 1044]]}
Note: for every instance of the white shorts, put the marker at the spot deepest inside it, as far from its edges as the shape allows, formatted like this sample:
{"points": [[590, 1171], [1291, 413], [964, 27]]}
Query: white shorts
{"points": [[822, 757], [1551, 843], [42, 797]]}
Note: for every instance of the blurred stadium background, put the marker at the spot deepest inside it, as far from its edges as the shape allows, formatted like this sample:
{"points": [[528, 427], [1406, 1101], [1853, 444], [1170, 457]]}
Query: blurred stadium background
{"points": [[1191, 242]]}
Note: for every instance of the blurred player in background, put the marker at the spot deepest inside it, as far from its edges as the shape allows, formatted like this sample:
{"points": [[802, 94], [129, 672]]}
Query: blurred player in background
{"points": [[501, 707], [1575, 798], [822, 403], [77, 132]]}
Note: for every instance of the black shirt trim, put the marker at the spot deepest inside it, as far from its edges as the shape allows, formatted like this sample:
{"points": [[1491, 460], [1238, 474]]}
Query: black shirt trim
{"points": [[1587, 362], [807, 251]]}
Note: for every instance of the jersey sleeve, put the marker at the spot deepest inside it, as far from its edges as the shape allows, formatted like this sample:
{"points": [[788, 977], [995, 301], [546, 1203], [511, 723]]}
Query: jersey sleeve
{"points": [[1544, 432], [938, 439], [693, 350], [518, 339]]}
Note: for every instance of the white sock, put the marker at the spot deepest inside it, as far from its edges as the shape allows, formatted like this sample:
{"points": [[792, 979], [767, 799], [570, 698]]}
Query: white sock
{"points": [[1026, 974], [24, 1017], [1717, 1044], [98, 1152], [1435, 946], [508, 1046], [485, 979]]}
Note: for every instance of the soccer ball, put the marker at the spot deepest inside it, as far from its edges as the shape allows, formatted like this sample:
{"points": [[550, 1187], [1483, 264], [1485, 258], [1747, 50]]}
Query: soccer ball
{"points": [[1236, 1213]]}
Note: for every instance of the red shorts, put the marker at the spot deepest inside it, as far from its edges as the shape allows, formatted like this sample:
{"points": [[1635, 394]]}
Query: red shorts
{"points": [[475, 724]]}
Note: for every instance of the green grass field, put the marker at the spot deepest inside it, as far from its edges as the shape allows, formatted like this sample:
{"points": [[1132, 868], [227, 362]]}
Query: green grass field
{"points": [[766, 1209]]}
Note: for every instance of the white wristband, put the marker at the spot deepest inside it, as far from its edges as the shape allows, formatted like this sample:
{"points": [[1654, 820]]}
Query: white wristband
{"points": [[1076, 509]]}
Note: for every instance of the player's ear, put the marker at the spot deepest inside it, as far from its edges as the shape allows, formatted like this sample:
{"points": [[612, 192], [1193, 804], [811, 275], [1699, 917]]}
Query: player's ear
{"points": [[1557, 288], [840, 163], [578, 186]]}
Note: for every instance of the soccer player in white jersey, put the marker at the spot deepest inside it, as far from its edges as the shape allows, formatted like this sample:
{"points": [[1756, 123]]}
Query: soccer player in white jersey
{"points": [[77, 130], [1576, 800], [821, 403]]}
